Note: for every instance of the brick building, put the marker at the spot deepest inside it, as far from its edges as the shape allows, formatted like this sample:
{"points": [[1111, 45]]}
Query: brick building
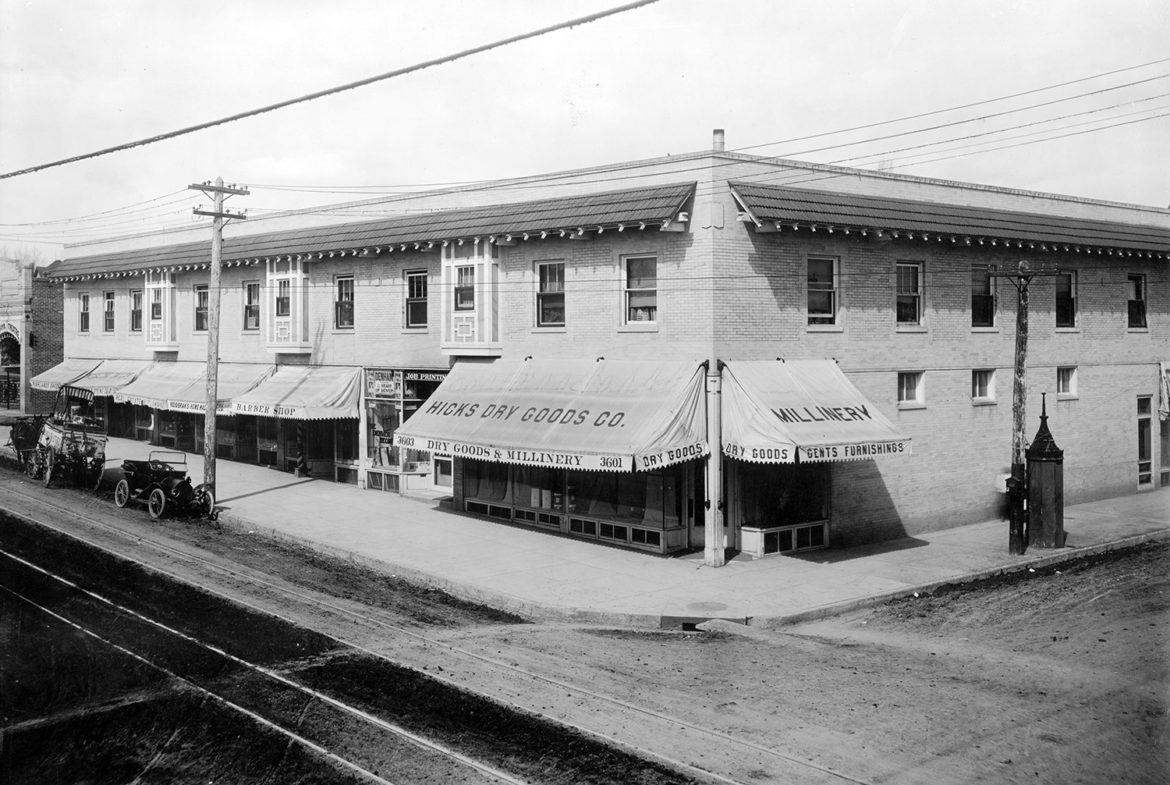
{"points": [[574, 348], [30, 333]]}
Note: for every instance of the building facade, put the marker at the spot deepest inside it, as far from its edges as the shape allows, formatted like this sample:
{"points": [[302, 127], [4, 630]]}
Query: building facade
{"points": [[809, 356], [30, 333]]}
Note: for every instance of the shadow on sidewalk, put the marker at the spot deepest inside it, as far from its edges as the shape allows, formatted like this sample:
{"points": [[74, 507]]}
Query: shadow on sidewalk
{"points": [[835, 556]]}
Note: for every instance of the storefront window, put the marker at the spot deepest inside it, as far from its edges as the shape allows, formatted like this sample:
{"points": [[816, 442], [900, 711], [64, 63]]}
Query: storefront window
{"points": [[782, 494], [485, 481], [645, 498], [382, 422], [538, 487]]}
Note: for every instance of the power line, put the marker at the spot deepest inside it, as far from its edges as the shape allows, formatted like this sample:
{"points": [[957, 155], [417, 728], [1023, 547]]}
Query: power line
{"points": [[333, 90]]}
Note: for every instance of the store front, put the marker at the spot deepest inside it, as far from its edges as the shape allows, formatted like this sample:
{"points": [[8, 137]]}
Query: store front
{"points": [[105, 378], [784, 426], [392, 395], [605, 450], [302, 419]]}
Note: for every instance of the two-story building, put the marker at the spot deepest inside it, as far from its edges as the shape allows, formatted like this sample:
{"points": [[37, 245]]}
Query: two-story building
{"points": [[810, 355]]}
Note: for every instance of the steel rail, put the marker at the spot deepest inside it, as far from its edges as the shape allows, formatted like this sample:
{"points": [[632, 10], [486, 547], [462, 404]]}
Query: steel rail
{"points": [[372, 620]]}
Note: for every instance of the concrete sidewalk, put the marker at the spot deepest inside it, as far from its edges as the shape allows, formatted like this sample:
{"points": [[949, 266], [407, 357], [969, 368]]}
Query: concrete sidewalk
{"points": [[546, 576]]}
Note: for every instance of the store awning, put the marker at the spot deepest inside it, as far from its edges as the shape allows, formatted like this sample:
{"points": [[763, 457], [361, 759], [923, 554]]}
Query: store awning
{"points": [[304, 392], [598, 415], [158, 382], [63, 373], [107, 378], [231, 381], [802, 410]]}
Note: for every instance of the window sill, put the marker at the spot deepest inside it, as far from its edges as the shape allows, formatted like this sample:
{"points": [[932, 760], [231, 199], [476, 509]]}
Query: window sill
{"points": [[991, 329], [912, 328], [250, 331], [1067, 396], [637, 327], [983, 402], [416, 330], [550, 329], [1138, 330], [909, 405], [343, 331], [824, 328], [1068, 330]]}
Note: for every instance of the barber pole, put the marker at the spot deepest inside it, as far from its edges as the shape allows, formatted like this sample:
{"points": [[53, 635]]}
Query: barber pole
{"points": [[302, 459]]}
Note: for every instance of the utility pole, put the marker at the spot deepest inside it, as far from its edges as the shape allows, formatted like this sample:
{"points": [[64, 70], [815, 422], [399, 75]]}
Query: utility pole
{"points": [[219, 216], [1017, 483]]}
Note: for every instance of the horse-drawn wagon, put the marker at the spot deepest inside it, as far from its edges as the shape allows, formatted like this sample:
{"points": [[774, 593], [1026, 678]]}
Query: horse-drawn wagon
{"points": [[65, 444]]}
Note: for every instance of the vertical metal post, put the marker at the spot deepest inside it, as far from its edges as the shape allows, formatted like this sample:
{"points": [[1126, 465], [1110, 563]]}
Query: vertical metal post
{"points": [[1017, 490], [714, 554]]}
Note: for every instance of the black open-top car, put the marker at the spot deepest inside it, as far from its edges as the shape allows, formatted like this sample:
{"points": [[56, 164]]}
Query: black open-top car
{"points": [[162, 482]]}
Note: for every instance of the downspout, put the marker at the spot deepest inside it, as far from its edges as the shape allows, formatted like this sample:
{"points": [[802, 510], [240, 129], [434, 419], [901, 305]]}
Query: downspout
{"points": [[714, 551]]}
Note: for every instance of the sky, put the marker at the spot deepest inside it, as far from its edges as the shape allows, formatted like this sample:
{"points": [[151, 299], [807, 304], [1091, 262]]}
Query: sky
{"points": [[77, 77]]}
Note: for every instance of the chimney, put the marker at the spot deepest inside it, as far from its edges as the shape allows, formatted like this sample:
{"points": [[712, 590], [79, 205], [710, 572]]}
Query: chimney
{"points": [[717, 140]]}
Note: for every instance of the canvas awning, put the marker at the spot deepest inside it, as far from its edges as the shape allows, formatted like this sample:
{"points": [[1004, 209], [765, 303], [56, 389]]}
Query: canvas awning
{"points": [[231, 381], [801, 410], [598, 415], [304, 392], [107, 378], [158, 382], [63, 373]]}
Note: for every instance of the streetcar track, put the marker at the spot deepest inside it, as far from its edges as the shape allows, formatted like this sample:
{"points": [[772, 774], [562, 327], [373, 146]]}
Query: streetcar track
{"points": [[279, 588]]}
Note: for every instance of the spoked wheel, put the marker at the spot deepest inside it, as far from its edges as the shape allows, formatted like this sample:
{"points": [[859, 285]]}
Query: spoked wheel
{"points": [[122, 493], [156, 503], [98, 473], [31, 464], [204, 501], [48, 475]]}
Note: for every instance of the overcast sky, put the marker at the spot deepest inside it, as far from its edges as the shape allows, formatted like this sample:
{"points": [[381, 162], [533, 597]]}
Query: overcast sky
{"points": [[76, 77]]}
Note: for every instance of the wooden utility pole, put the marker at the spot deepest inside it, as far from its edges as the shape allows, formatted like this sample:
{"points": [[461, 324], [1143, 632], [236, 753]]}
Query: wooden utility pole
{"points": [[1017, 483], [218, 218]]}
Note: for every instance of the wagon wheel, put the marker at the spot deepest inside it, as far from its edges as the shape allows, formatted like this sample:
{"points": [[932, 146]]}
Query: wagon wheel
{"points": [[156, 503], [122, 493], [99, 472], [31, 464], [204, 501], [49, 466]]}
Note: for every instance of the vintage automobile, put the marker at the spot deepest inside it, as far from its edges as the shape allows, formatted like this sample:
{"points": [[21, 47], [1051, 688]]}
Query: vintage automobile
{"points": [[162, 482], [65, 444]]}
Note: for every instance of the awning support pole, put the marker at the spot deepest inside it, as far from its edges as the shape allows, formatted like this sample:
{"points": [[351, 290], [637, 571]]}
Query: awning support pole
{"points": [[714, 552]]}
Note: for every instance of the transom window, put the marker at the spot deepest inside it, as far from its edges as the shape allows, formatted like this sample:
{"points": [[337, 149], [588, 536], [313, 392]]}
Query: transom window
{"points": [[982, 298], [201, 300], [909, 293], [983, 385], [465, 288], [136, 311], [343, 303], [910, 389], [108, 312], [822, 291], [1066, 300], [416, 298], [550, 294], [1136, 294], [251, 305], [640, 291], [83, 313]]}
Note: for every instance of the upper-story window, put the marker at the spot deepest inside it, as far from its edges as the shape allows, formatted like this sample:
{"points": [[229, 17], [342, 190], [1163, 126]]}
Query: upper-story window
{"points": [[1066, 300], [251, 305], [822, 290], [283, 294], [1136, 294], [909, 293], [550, 294], [465, 288], [416, 298], [108, 312], [135, 310], [982, 298], [83, 313], [343, 303], [201, 301], [156, 303], [911, 390], [640, 289], [983, 385]]}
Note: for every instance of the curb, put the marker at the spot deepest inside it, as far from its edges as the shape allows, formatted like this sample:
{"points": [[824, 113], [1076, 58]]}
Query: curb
{"points": [[1065, 555]]}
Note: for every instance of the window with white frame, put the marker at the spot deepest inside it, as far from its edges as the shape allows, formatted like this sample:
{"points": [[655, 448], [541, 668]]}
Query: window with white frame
{"points": [[251, 305], [640, 289], [107, 312], [908, 304], [1145, 439], [822, 290], [465, 288], [343, 303], [156, 303], [1066, 300], [983, 385], [201, 300], [83, 313], [982, 297], [416, 298], [910, 389], [1066, 382], [283, 297], [135, 310], [550, 294], [1135, 287]]}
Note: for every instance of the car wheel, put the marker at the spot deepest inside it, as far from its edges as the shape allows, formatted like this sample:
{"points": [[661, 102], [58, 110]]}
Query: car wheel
{"points": [[156, 503], [204, 501], [122, 493]]}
